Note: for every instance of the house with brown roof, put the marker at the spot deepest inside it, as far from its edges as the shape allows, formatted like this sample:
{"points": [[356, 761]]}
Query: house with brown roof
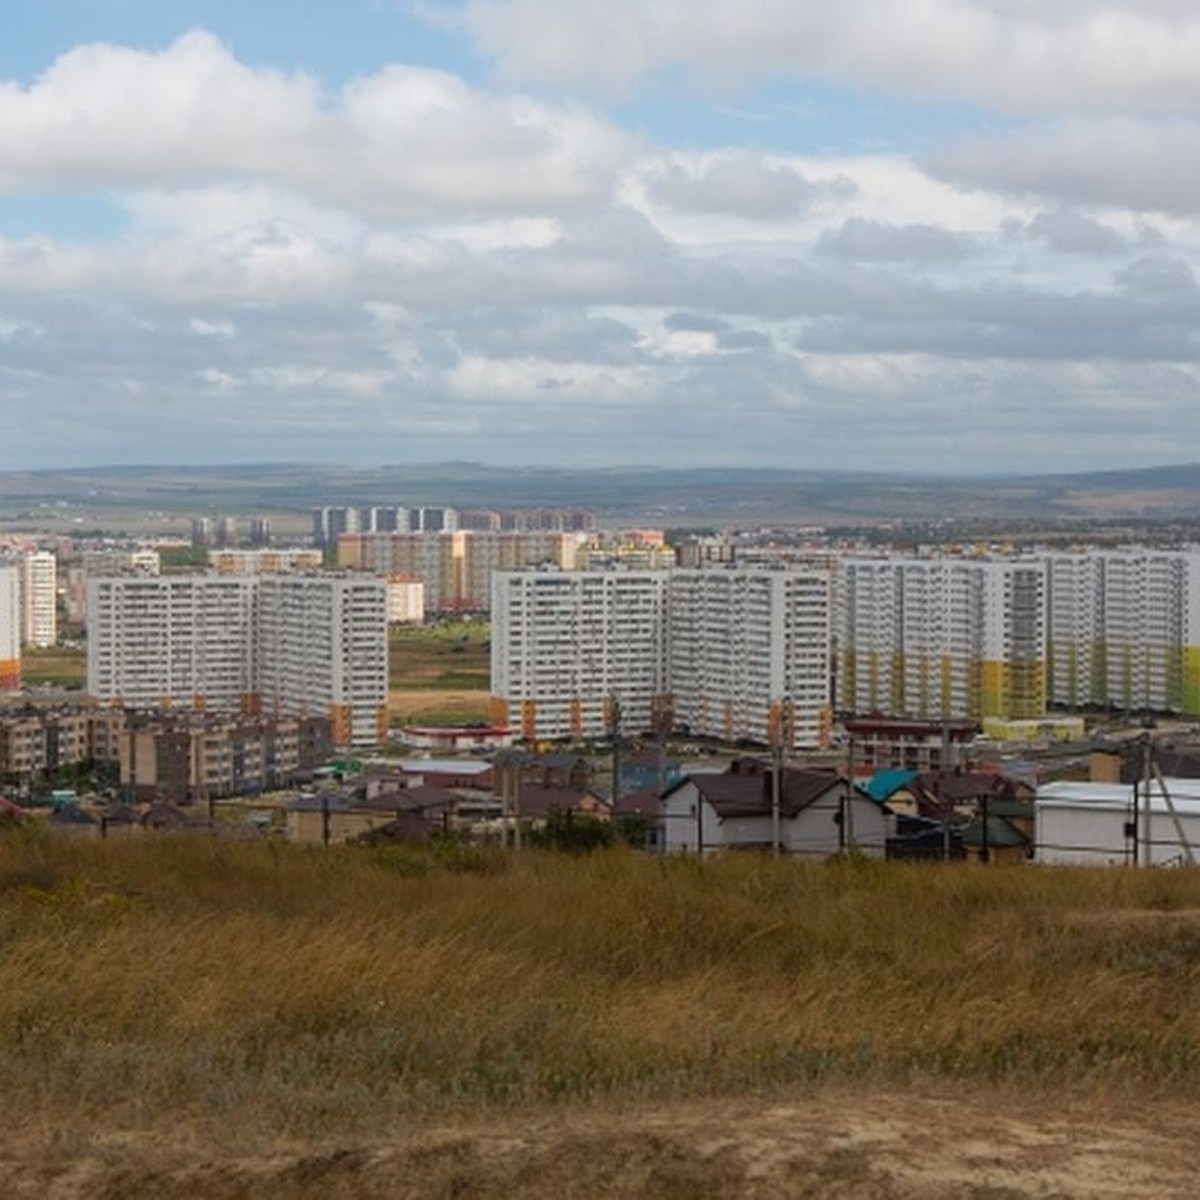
{"points": [[819, 813]]}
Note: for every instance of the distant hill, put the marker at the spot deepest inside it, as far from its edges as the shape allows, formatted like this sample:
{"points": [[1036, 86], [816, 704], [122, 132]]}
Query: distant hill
{"points": [[667, 496]]}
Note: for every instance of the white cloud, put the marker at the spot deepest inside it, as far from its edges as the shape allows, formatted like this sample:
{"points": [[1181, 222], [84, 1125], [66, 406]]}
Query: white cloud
{"points": [[862, 240], [406, 142], [1014, 56], [1119, 161], [739, 184]]}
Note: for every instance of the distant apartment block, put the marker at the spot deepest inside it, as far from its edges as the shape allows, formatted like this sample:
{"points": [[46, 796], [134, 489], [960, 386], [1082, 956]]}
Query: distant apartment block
{"points": [[942, 638], [331, 522], [188, 757], [10, 627], [749, 654], [34, 742], [405, 600], [282, 645], [725, 654], [173, 641], [456, 568], [264, 561], [567, 644], [39, 598], [94, 563], [1124, 629], [322, 650]]}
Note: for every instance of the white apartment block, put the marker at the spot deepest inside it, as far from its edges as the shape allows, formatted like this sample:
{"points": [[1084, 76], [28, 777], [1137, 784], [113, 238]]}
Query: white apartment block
{"points": [[942, 638], [322, 650], [293, 645], [171, 641], [1124, 629], [729, 654], [565, 644], [10, 628], [39, 600], [405, 600], [749, 654]]}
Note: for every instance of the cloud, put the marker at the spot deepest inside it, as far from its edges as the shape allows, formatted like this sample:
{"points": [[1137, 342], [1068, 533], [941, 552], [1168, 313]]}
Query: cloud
{"points": [[740, 185], [1067, 232], [1140, 165], [1012, 55], [403, 143], [862, 240]]}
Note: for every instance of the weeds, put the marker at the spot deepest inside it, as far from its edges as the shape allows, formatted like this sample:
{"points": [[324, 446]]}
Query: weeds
{"points": [[304, 989]]}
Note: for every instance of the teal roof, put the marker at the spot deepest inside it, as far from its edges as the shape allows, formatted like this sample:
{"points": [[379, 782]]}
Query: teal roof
{"points": [[883, 783]]}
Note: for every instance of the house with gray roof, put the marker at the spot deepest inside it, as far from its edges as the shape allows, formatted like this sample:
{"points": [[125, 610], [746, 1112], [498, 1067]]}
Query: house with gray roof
{"points": [[819, 813]]}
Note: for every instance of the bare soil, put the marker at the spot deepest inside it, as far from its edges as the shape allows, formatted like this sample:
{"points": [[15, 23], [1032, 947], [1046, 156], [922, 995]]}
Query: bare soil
{"points": [[866, 1143]]}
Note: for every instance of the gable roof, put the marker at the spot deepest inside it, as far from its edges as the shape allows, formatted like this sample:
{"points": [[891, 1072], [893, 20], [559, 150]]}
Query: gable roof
{"points": [[738, 794], [883, 784]]}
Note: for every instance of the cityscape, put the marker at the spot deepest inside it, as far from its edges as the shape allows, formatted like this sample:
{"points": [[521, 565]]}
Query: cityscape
{"points": [[600, 600], [231, 664]]}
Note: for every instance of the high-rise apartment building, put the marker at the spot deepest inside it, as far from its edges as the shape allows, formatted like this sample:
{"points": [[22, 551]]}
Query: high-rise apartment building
{"points": [[39, 598], [173, 640], [265, 561], [287, 645], [329, 523], [322, 650], [726, 654], [456, 568], [1124, 629], [566, 645], [749, 654], [942, 638], [10, 627]]}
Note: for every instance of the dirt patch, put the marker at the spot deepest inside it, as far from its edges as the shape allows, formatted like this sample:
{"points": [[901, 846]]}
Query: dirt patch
{"points": [[883, 1146]]}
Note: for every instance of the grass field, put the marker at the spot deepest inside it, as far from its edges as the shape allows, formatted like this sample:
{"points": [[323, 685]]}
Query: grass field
{"points": [[448, 656], [439, 674], [259, 987], [60, 666]]}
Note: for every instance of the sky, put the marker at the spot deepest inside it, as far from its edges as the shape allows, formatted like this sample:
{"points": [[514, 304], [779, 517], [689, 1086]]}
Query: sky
{"points": [[947, 236]]}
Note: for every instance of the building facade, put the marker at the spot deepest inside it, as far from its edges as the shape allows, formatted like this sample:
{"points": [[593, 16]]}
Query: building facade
{"points": [[749, 655], [456, 567], [10, 628], [575, 652], [286, 645], [39, 598], [726, 654], [322, 650], [942, 638], [1124, 630]]}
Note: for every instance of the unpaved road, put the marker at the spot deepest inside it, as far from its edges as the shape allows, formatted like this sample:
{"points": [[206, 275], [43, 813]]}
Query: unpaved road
{"points": [[869, 1144]]}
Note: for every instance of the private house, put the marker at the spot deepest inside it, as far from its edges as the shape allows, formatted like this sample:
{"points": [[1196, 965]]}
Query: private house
{"points": [[329, 818], [819, 813], [421, 812]]}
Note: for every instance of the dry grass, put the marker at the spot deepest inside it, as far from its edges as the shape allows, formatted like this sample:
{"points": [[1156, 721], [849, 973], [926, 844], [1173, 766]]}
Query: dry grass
{"points": [[236, 987], [438, 707], [60, 666], [452, 655]]}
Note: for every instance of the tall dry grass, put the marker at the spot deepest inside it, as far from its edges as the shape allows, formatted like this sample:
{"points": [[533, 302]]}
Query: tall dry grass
{"points": [[241, 986]]}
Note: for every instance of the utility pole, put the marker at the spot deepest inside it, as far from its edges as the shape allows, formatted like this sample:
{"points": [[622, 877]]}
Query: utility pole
{"points": [[1147, 845], [614, 730], [848, 814], [781, 737]]}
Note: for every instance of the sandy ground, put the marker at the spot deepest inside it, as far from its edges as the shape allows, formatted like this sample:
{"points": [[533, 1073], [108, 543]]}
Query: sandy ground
{"points": [[874, 1144]]}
